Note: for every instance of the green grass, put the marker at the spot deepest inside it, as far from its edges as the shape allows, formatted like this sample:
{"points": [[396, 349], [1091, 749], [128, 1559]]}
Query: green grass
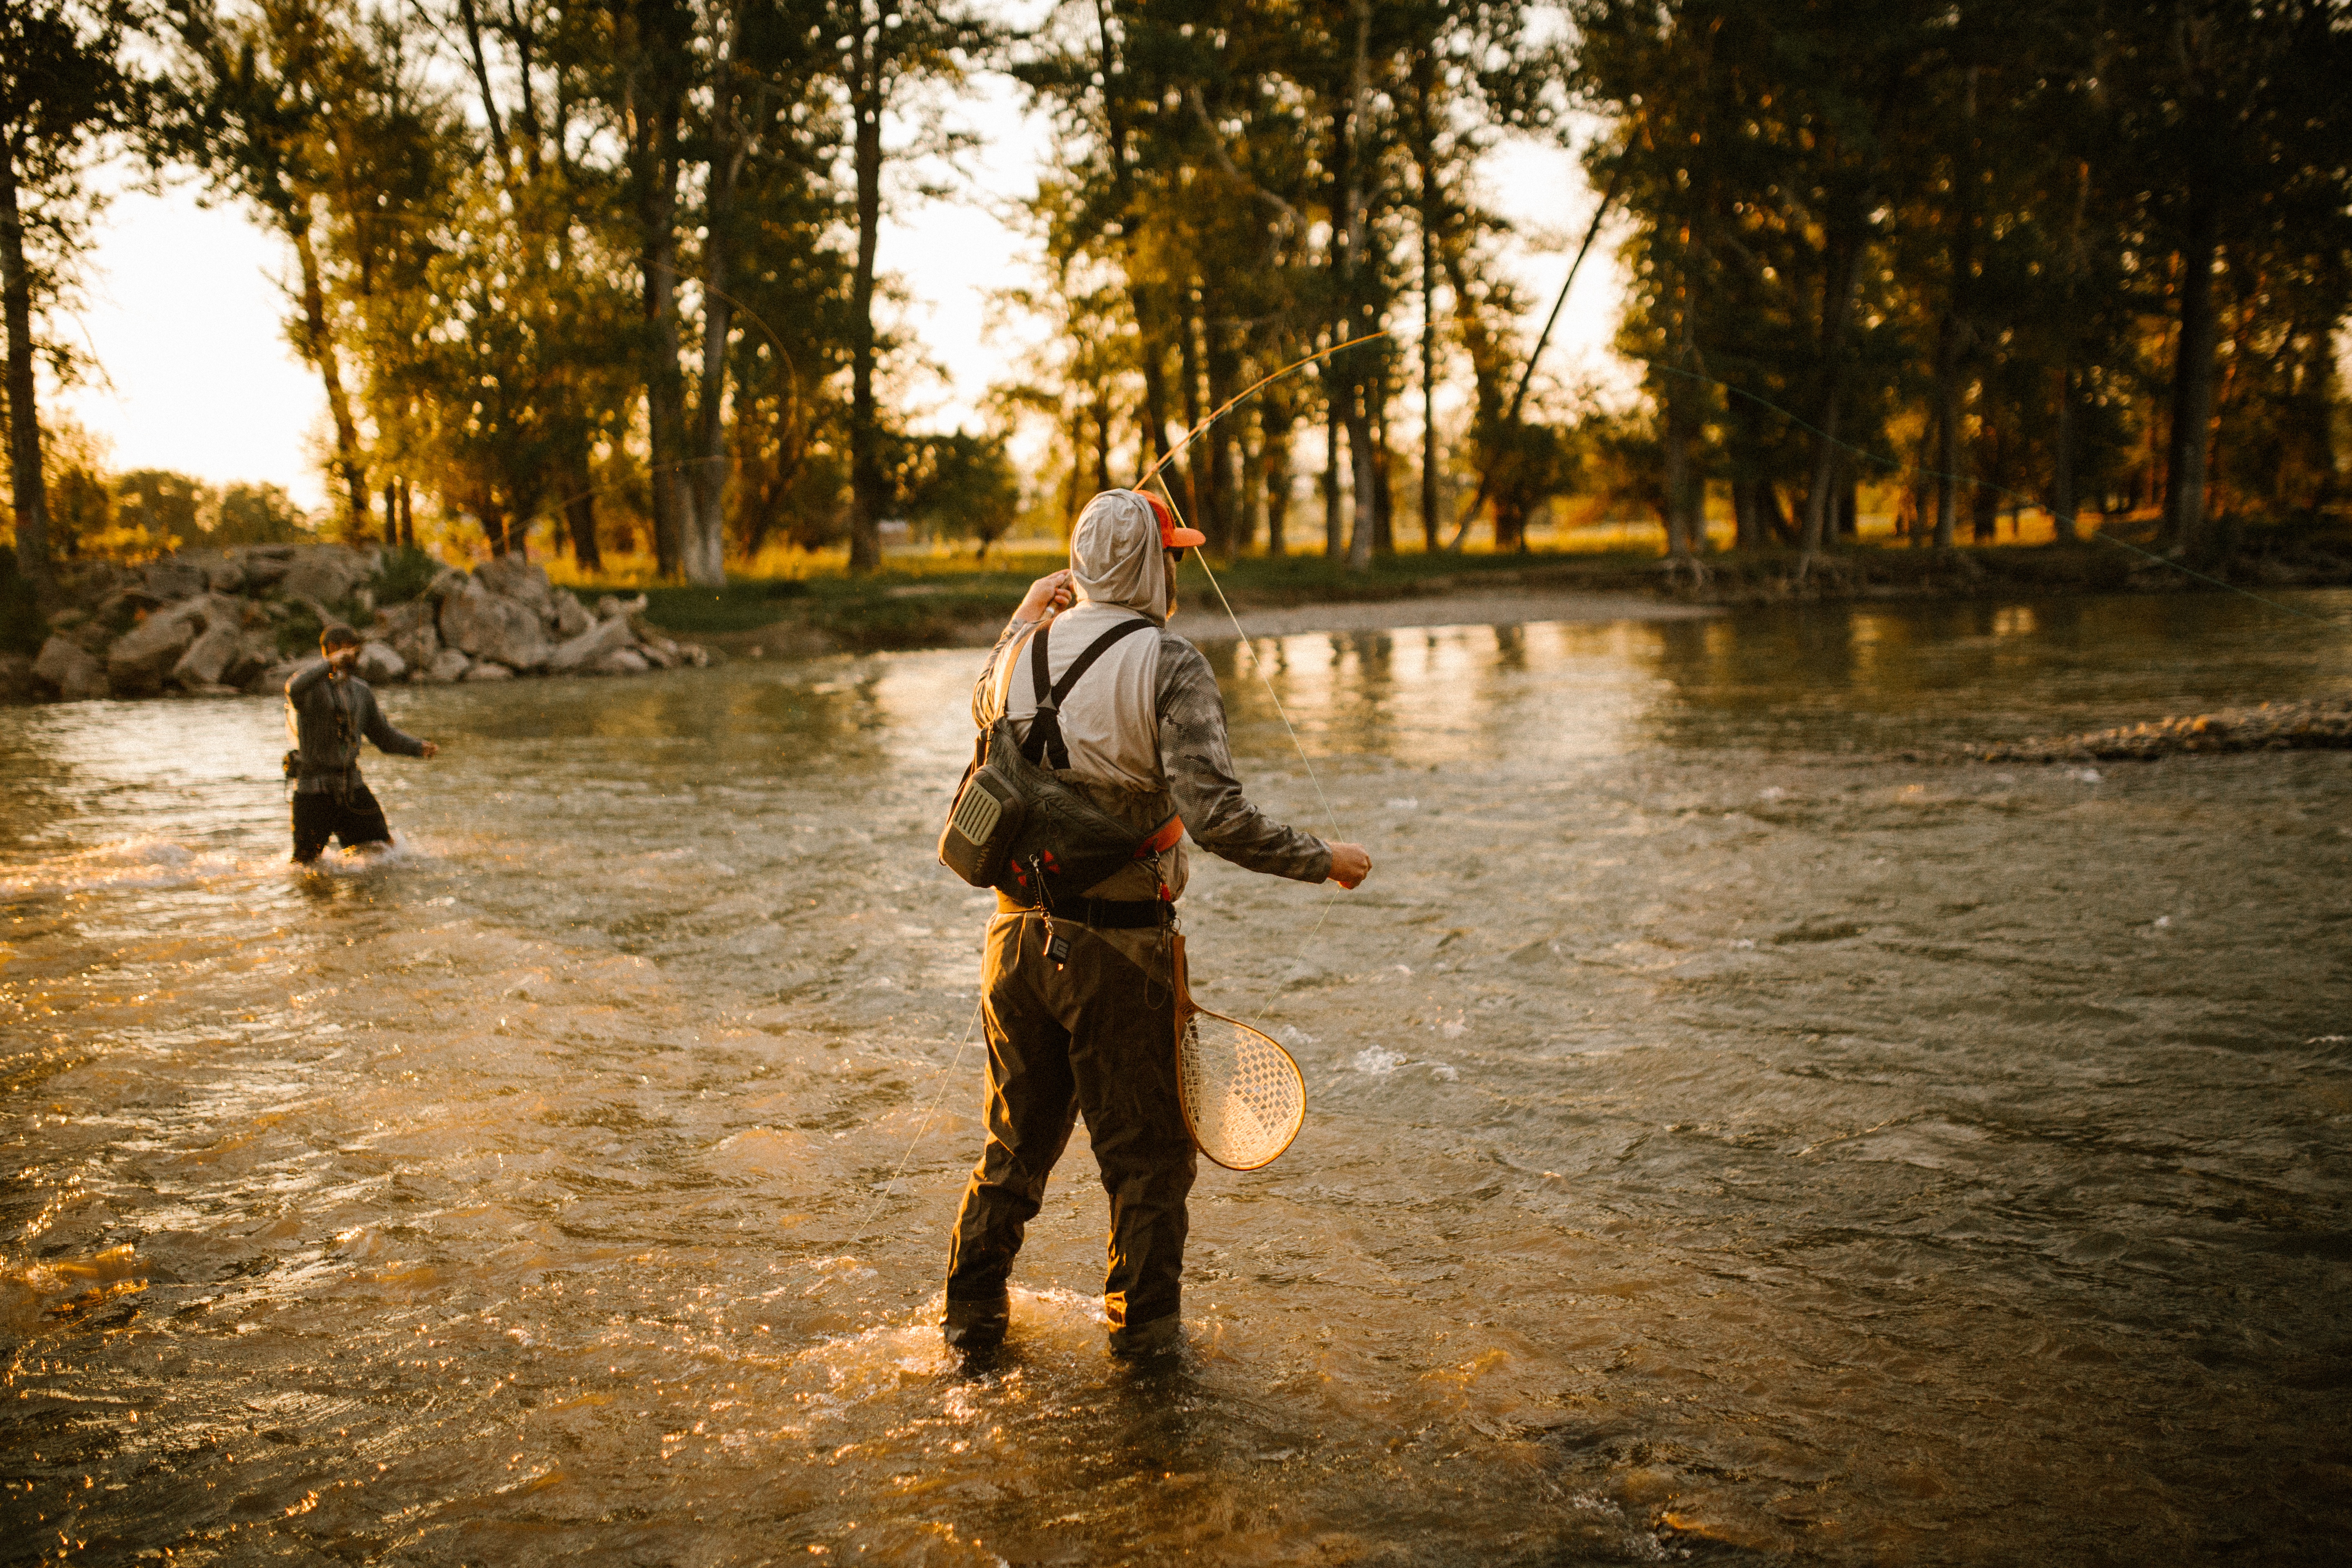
{"points": [[917, 603]]}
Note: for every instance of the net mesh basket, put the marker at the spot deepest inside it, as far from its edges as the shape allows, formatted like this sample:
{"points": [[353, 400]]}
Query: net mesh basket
{"points": [[1243, 1096]]}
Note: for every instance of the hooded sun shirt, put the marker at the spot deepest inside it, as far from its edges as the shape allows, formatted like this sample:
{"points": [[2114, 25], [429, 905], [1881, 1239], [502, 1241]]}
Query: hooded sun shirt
{"points": [[1145, 726]]}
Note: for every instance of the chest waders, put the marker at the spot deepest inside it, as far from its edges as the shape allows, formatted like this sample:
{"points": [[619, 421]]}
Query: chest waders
{"points": [[1015, 827], [347, 742]]}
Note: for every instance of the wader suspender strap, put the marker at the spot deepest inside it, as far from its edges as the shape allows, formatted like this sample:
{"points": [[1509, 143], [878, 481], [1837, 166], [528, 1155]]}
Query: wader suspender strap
{"points": [[1043, 745]]}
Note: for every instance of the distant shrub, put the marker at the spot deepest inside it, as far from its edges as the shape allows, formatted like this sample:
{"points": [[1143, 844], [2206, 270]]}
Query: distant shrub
{"points": [[405, 575], [298, 634]]}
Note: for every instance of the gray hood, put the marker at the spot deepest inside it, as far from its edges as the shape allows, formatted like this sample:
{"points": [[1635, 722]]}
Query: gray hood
{"points": [[1115, 556]]}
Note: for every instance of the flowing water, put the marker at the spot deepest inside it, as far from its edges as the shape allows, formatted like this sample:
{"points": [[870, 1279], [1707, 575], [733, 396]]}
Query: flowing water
{"points": [[1725, 1140]]}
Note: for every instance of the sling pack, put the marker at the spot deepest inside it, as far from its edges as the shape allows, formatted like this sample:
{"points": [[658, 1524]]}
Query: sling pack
{"points": [[1016, 828]]}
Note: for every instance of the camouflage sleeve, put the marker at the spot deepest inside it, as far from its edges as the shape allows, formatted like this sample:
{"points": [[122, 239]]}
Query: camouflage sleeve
{"points": [[983, 690], [1198, 761]]}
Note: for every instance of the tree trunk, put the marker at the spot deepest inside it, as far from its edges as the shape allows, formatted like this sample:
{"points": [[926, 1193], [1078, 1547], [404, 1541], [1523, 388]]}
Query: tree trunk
{"points": [[318, 348], [31, 494], [1148, 347], [706, 553], [1359, 387], [580, 513], [654, 154], [1188, 364], [1334, 534], [2063, 503], [1837, 309], [1227, 526], [866, 493], [1429, 498], [1363, 511], [1746, 527], [2192, 379], [1685, 486], [1277, 420], [1249, 501]]}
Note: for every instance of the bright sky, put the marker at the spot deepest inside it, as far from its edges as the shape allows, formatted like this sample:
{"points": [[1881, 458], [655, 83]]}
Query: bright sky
{"points": [[185, 306]]}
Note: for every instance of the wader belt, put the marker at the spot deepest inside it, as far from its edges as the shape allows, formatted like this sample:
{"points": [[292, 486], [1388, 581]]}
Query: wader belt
{"points": [[339, 781], [1043, 745], [1105, 914]]}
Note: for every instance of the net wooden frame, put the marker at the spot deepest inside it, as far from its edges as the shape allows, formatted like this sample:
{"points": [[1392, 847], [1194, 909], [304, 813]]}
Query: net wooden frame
{"points": [[1243, 1097]]}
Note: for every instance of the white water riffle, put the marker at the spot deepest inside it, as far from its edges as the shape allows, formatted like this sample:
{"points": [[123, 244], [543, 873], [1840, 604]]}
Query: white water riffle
{"points": [[1721, 1137]]}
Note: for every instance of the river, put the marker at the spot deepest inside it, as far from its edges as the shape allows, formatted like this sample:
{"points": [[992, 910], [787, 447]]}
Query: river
{"points": [[1727, 1141]]}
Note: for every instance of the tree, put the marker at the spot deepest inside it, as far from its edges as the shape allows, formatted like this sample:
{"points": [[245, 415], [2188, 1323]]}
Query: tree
{"points": [[64, 89]]}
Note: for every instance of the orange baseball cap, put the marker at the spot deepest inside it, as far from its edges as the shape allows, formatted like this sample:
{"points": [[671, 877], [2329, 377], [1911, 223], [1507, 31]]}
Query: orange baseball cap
{"points": [[1172, 536]]}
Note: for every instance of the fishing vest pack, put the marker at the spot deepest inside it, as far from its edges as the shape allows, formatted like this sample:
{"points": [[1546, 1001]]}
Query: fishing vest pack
{"points": [[1016, 828]]}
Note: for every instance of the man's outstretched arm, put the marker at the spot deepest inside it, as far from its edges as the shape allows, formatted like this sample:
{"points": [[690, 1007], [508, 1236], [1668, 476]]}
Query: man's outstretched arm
{"points": [[378, 728], [1197, 759]]}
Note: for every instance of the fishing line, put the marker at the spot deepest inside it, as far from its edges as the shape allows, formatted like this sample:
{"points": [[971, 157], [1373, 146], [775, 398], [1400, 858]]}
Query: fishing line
{"points": [[1258, 664], [946, 1074]]}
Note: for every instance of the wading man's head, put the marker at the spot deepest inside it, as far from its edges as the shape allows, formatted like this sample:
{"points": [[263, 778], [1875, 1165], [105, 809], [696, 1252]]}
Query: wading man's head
{"points": [[1124, 551], [339, 644]]}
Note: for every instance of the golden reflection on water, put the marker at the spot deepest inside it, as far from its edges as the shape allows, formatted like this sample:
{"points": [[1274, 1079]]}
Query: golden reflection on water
{"points": [[1722, 1139]]}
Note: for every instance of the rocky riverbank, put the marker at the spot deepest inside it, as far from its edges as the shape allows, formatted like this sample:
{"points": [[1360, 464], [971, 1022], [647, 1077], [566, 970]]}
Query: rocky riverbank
{"points": [[228, 623], [2272, 727]]}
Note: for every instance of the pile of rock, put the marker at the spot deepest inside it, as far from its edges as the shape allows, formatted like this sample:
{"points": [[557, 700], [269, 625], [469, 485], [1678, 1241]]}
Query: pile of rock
{"points": [[214, 623], [2272, 727], [504, 619]]}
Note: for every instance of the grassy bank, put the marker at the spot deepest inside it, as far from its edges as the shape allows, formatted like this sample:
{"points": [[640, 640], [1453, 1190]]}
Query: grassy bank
{"points": [[940, 601], [944, 601]]}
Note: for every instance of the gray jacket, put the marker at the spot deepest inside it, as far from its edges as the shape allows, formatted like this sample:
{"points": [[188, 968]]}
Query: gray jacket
{"points": [[326, 718], [1196, 767]]}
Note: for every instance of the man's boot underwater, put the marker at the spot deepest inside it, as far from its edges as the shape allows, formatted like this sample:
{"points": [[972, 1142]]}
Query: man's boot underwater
{"points": [[973, 1326]]}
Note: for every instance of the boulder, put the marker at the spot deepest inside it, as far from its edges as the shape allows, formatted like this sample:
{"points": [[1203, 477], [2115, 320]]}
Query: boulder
{"points": [[261, 566], [409, 630], [609, 606], [378, 665], [71, 669], [581, 652], [489, 670], [223, 656], [262, 572], [446, 582], [121, 606], [659, 651], [570, 616], [141, 658], [271, 682], [448, 665], [226, 573], [324, 572], [17, 683], [516, 578], [173, 578], [623, 661], [490, 625]]}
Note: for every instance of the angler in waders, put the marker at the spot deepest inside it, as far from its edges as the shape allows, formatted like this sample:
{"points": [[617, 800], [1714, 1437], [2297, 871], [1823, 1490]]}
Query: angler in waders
{"points": [[1079, 1005], [328, 710]]}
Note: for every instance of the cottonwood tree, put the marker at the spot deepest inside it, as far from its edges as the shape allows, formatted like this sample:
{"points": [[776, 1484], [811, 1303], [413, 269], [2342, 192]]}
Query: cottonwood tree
{"points": [[65, 91]]}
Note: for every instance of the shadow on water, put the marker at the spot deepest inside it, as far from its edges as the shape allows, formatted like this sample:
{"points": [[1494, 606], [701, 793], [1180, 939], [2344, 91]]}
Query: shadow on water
{"points": [[1724, 1140]]}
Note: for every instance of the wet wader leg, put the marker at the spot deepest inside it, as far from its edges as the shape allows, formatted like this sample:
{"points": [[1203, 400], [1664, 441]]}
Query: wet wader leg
{"points": [[1031, 1105], [1122, 1053], [359, 819], [314, 823]]}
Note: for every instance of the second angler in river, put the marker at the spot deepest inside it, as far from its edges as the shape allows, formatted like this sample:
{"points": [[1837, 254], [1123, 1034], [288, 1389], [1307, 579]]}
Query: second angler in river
{"points": [[1078, 996]]}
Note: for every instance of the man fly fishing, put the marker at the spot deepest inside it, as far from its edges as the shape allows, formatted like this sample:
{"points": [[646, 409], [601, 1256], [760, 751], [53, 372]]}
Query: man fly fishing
{"points": [[328, 710], [1075, 978]]}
